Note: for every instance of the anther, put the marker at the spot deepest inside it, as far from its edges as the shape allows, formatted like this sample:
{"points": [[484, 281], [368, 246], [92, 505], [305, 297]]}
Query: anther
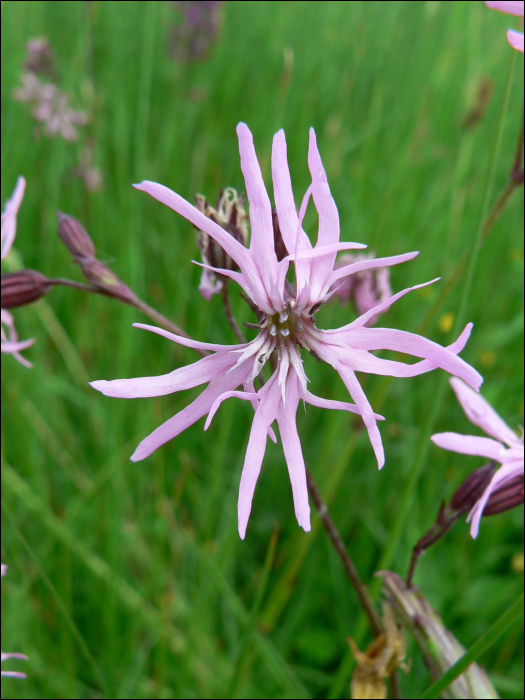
{"points": [[298, 324], [315, 308], [283, 317], [284, 332], [273, 330]]}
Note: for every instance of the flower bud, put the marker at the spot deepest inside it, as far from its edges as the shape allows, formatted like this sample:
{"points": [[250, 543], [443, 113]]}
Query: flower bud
{"points": [[506, 497], [23, 287], [75, 237], [231, 216], [472, 488], [100, 276]]}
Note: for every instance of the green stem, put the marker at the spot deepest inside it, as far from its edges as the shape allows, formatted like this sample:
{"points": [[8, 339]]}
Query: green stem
{"points": [[483, 643]]}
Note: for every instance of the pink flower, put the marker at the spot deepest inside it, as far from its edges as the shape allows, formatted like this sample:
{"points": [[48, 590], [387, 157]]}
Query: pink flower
{"points": [[286, 325], [10, 342], [12, 674], [510, 8], [480, 413]]}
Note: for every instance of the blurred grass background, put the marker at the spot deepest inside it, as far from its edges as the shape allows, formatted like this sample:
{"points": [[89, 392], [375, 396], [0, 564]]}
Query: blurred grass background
{"points": [[129, 580]]}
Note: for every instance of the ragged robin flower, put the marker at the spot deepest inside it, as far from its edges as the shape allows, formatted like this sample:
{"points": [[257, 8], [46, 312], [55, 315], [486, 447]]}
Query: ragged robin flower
{"points": [[502, 446], [286, 327]]}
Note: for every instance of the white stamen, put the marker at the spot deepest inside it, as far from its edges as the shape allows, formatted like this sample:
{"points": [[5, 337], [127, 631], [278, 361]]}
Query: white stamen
{"points": [[284, 332], [273, 330], [298, 324], [283, 317]]}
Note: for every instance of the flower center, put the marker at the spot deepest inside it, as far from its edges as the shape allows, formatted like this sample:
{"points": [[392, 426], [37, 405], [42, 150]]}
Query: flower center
{"points": [[286, 325]]}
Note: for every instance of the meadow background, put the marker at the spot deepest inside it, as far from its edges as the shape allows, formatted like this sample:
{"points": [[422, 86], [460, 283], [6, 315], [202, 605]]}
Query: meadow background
{"points": [[130, 580]]}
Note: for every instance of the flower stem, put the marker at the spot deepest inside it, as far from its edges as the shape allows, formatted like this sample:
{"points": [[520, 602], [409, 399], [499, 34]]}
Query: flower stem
{"points": [[137, 303], [373, 616], [225, 296]]}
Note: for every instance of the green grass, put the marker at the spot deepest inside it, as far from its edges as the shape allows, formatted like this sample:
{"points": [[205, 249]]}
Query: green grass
{"points": [[129, 580]]}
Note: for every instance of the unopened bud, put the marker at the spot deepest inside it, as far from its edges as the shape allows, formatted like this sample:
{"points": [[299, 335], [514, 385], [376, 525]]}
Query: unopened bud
{"points": [[231, 216], [23, 287], [100, 276], [472, 488], [506, 497], [75, 237]]}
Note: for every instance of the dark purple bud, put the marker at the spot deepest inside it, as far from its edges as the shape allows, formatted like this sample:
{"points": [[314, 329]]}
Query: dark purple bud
{"points": [[472, 488], [100, 276], [75, 237], [23, 287], [508, 496]]}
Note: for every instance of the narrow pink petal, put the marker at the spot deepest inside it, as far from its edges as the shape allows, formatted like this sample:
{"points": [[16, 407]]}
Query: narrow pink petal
{"points": [[318, 251], [10, 347], [293, 452], [191, 414], [334, 405], [480, 413], [180, 379], [245, 396], [369, 265], [14, 674], [235, 276], [328, 217], [4, 569], [380, 308], [9, 217], [264, 417], [261, 226], [188, 342], [13, 655], [506, 473], [284, 199], [363, 361], [249, 388], [356, 392], [470, 445], [510, 8], [515, 39], [412, 344]]}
